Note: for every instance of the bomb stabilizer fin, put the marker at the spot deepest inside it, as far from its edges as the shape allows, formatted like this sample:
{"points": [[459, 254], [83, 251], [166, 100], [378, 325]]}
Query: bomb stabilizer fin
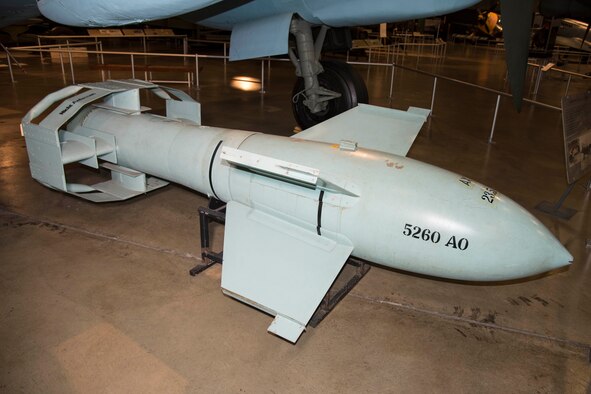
{"points": [[289, 268], [370, 127], [57, 140]]}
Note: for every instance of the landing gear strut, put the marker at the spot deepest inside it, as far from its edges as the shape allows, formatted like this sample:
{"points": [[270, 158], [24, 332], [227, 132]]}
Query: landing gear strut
{"points": [[323, 89]]}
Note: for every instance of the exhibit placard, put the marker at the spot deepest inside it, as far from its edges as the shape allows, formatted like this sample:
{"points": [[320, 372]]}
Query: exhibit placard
{"points": [[576, 124]]}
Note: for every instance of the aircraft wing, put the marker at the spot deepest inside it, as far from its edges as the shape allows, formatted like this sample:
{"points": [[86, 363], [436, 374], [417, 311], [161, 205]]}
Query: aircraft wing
{"points": [[377, 128], [278, 267], [261, 27], [517, 16], [12, 12]]}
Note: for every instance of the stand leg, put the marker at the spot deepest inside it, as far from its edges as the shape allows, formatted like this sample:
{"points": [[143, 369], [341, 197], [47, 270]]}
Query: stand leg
{"points": [[556, 209], [216, 211], [353, 271]]}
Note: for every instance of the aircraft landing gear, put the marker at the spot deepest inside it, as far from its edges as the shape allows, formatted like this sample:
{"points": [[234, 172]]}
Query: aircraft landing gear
{"points": [[323, 89], [338, 77]]}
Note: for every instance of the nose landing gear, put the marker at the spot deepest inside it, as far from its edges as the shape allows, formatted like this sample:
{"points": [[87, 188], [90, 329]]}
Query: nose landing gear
{"points": [[338, 77], [323, 89]]}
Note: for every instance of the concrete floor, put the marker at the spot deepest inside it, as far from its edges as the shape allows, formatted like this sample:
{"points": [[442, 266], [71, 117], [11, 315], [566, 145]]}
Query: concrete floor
{"points": [[97, 298]]}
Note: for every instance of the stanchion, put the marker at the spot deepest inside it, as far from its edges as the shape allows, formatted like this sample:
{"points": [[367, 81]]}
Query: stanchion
{"points": [[433, 94], [494, 123], [262, 76]]}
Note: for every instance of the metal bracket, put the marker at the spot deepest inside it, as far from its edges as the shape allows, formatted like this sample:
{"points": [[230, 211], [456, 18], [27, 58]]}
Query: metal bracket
{"points": [[556, 209], [352, 272], [216, 212]]}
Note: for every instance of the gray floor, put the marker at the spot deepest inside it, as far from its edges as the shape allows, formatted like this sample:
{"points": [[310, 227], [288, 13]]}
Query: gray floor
{"points": [[97, 298]]}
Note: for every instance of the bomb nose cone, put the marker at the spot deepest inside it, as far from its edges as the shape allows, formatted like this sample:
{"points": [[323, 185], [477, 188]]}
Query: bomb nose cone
{"points": [[559, 257], [551, 254], [545, 252]]}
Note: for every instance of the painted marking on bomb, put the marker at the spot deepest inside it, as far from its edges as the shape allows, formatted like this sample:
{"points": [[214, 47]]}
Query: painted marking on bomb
{"points": [[428, 235], [466, 181], [66, 109], [69, 106], [424, 234], [390, 164], [489, 195], [461, 243]]}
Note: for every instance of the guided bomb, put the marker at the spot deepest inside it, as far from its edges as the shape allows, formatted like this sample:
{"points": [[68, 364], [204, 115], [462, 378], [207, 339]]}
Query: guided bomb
{"points": [[297, 207]]}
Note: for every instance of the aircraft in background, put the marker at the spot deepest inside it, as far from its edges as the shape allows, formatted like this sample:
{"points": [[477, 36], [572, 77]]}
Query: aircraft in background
{"points": [[517, 18], [263, 27], [476, 22], [574, 34]]}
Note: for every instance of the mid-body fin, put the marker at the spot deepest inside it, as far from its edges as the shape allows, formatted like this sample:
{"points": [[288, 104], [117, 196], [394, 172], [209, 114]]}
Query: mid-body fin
{"points": [[278, 267]]}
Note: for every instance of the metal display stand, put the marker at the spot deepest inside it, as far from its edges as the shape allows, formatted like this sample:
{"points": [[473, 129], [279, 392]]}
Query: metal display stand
{"points": [[556, 209], [350, 275], [215, 212]]}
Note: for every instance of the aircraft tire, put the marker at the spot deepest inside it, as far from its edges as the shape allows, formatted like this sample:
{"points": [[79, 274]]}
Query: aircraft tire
{"points": [[338, 76]]}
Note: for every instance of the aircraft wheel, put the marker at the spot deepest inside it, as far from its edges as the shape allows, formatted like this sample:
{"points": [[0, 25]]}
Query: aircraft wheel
{"points": [[338, 77]]}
